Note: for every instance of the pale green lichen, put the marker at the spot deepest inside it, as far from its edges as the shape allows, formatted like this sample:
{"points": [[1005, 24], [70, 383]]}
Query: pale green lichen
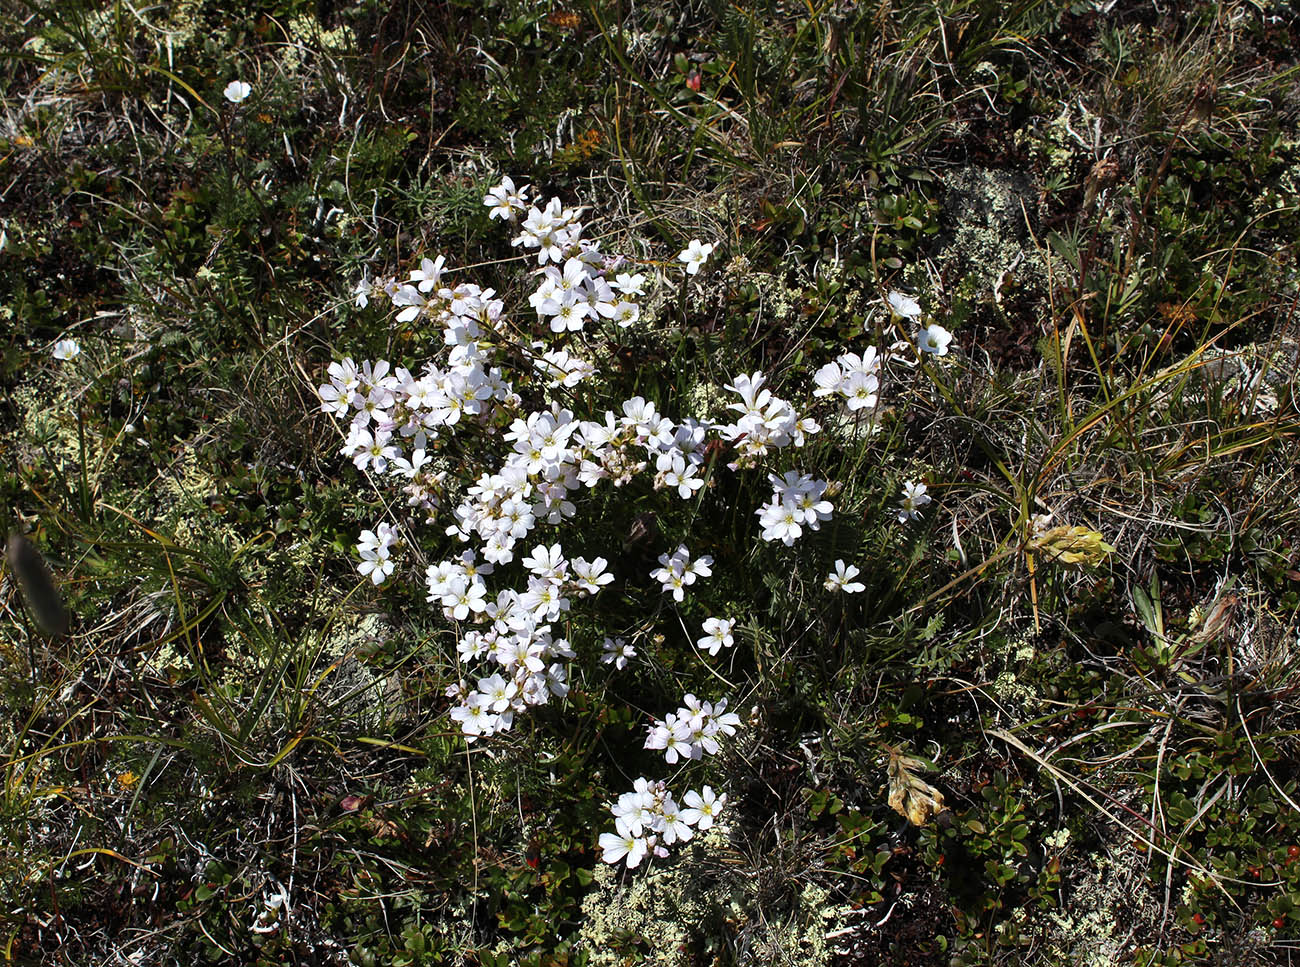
{"points": [[1010, 690], [306, 39], [803, 937], [675, 916], [45, 424], [990, 242], [1059, 144], [705, 400], [1106, 894], [364, 695], [183, 23], [1013, 653], [665, 913], [182, 493], [1057, 840]]}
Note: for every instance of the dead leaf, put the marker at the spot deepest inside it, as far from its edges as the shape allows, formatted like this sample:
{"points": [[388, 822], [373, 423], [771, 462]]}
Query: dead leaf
{"points": [[910, 795]]}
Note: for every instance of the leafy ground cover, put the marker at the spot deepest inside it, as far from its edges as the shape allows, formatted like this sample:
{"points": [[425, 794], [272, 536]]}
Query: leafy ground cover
{"points": [[1052, 719]]}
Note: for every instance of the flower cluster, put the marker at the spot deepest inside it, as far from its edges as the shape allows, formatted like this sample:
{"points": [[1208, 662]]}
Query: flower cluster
{"points": [[676, 572], [766, 422], [854, 377], [533, 462], [516, 631], [560, 368], [554, 230], [932, 338], [692, 730], [647, 820], [374, 548], [569, 297], [797, 502]]}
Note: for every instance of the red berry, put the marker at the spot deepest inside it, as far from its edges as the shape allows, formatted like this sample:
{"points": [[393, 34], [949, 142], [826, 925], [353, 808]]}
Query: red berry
{"points": [[1293, 852], [1199, 919], [1279, 923]]}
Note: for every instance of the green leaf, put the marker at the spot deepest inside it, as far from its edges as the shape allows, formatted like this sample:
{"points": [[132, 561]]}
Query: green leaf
{"points": [[1144, 609]]}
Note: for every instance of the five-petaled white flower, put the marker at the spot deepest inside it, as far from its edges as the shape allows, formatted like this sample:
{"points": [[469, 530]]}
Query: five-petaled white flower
{"points": [[933, 339], [695, 255], [236, 91], [616, 846], [376, 564], [617, 651], [841, 579], [66, 349], [914, 498], [703, 809], [717, 634]]}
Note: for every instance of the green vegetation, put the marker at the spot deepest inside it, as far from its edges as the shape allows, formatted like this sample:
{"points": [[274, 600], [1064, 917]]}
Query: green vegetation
{"points": [[240, 750]]}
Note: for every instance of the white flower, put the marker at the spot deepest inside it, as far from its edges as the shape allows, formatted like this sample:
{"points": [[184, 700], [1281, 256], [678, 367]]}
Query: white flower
{"points": [[616, 846], [630, 284], [473, 715], [66, 349], [695, 255], [236, 91], [626, 313], [860, 391], [828, 379], [499, 692], [780, 522], [679, 570], [275, 910], [617, 652], [561, 369], [717, 635], [429, 273], [796, 502], [674, 471], [376, 563], [841, 579], [904, 306], [505, 200], [362, 290], [591, 577], [933, 339], [673, 735], [1039, 524], [703, 809], [914, 498]]}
